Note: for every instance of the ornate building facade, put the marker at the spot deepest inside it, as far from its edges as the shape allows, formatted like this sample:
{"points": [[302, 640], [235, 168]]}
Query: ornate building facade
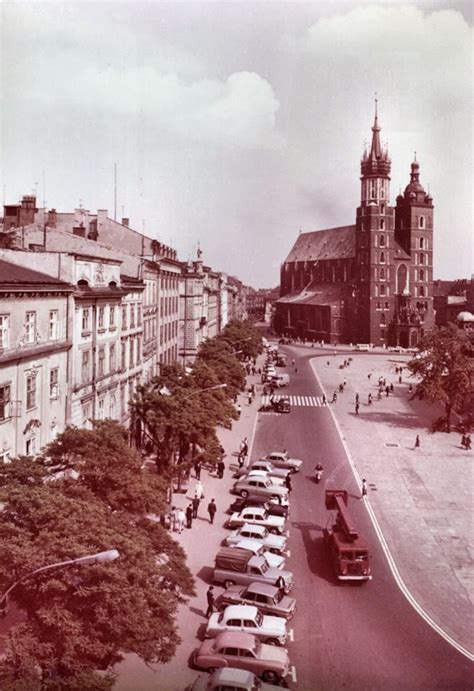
{"points": [[371, 282]]}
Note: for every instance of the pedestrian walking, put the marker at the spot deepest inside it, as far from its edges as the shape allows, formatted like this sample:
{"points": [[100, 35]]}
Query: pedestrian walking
{"points": [[357, 409], [210, 601], [250, 398], [334, 397], [173, 518], [199, 490], [240, 459], [211, 510], [239, 410], [400, 379], [417, 442], [341, 388], [357, 398], [344, 383], [364, 487], [288, 482], [369, 399], [468, 442], [387, 390], [220, 469], [180, 520], [189, 516], [463, 441], [324, 399], [195, 502], [197, 469], [391, 387]]}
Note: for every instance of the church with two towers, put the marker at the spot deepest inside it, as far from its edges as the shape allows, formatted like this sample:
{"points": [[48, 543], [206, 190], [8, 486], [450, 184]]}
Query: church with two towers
{"points": [[371, 282]]}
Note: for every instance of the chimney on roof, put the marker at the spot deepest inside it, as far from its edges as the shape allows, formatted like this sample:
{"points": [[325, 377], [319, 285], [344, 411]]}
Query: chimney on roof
{"points": [[125, 221], [52, 218]]}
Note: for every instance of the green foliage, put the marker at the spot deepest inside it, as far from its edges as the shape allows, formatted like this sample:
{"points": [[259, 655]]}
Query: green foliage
{"points": [[83, 618], [442, 368]]}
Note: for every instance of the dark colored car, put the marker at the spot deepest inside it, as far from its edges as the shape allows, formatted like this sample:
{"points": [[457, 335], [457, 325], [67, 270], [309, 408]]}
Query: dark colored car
{"points": [[283, 405], [272, 508]]}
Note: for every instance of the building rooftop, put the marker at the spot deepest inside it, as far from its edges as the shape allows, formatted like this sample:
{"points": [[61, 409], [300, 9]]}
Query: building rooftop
{"points": [[330, 243], [13, 274]]}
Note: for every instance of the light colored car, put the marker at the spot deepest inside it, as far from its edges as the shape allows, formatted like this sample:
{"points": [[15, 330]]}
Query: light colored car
{"points": [[247, 619], [245, 651], [231, 678], [280, 459], [256, 547], [264, 474], [253, 531], [268, 598], [260, 486], [257, 515], [265, 466]]}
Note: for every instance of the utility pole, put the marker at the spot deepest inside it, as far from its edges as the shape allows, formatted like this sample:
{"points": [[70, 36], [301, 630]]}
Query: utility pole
{"points": [[115, 191]]}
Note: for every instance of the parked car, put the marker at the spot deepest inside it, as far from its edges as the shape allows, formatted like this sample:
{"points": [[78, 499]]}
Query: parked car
{"points": [[252, 531], [247, 618], [273, 508], [253, 472], [230, 679], [257, 547], [239, 566], [280, 459], [245, 651], [268, 598], [265, 466], [257, 515], [262, 486]]}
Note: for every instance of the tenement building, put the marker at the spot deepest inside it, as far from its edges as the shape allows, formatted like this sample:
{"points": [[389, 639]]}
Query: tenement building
{"points": [[371, 282]]}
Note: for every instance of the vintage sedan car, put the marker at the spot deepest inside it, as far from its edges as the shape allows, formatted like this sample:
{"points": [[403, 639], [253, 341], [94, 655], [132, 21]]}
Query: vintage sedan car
{"points": [[261, 486], [256, 473], [230, 678], [280, 459], [245, 651], [265, 466], [272, 507], [248, 619], [256, 547], [258, 516], [268, 598], [252, 531]]}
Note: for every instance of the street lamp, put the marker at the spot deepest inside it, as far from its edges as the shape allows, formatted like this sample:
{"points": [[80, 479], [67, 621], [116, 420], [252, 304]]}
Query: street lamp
{"points": [[99, 557]]}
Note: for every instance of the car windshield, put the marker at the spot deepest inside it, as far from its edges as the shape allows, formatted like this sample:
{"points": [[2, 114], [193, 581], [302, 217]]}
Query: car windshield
{"points": [[257, 647], [265, 532], [259, 619], [265, 566]]}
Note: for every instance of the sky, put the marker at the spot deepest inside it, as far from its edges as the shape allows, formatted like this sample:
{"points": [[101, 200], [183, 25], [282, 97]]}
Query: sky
{"points": [[238, 124]]}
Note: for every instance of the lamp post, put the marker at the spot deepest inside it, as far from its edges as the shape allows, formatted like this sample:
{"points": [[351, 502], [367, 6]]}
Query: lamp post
{"points": [[108, 555]]}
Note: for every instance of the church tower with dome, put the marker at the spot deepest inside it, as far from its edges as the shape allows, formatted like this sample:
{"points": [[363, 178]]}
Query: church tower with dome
{"points": [[371, 282]]}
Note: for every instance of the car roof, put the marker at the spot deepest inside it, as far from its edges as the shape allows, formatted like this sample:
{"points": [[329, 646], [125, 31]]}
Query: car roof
{"points": [[235, 639], [258, 473], [254, 528], [241, 611], [250, 544], [232, 675], [263, 588]]}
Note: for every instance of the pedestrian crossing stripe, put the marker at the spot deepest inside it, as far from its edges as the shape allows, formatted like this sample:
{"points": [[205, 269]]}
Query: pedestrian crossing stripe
{"points": [[302, 401]]}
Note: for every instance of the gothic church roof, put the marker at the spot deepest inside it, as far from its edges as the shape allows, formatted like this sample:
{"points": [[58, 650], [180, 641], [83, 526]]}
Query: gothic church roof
{"points": [[331, 243]]}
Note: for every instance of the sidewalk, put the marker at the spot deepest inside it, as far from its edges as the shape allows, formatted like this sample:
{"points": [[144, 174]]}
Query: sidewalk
{"points": [[200, 543], [422, 497]]}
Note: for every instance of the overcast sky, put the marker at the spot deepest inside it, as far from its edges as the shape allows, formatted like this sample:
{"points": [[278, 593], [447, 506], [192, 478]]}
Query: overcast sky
{"points": [[239, 124]]}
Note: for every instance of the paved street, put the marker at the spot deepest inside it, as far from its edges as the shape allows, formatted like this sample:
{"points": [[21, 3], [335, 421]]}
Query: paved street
{"points": [[355, 637]]}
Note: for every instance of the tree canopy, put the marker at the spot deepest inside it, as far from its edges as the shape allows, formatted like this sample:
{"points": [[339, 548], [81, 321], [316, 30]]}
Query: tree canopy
{"points": [[443, 368], [78, 619]]}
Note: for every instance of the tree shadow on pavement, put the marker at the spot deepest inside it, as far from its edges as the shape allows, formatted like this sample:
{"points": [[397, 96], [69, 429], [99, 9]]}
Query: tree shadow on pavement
{"points": [[391, 419], [316, 552]]}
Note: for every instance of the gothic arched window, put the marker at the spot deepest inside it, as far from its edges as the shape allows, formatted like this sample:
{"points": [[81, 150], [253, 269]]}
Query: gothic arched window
{"points": [[382, 274], [382, 241], [402, 279], [422, 258], [382, 290], [382, 257], [421, 222], [382, 224], [422, 275], [421, 291], [422, 243]]}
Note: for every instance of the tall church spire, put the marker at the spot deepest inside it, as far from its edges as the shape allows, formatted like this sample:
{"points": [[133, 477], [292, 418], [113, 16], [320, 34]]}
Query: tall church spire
{"points": [[376, 148], [375, 168]]}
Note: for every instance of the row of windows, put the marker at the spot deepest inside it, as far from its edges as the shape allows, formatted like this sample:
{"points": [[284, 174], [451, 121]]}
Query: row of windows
{"points": [[30, 331], [168, 331], [169, 283], [133, 351], [168, 305], [30, 392], [130, 317]]}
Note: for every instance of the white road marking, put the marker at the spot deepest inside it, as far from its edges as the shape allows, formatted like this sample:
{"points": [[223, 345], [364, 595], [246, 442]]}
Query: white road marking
{"points": [[291, 635], [292, 674], [288, 553], [391, 562]]}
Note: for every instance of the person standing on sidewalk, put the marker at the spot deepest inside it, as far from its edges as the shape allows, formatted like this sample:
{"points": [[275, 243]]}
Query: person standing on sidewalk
{"points": [[180, 520], [369, 399], [417, 442], [189, 516], [197, 469], [210, 601], [220, 469], [199, 490], [288, 483], [364, 487], [196, 501], [357, 398], [238, 407], [211, 510]]}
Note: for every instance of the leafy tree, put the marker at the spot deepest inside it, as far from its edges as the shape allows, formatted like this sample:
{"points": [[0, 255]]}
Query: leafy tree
{"points": [[442, 368], [102, 461], [243, 336], [81, 619]]}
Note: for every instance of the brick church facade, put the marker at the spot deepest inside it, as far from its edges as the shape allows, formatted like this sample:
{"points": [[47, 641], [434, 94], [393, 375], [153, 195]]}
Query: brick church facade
{"points": [[371, 282]]}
